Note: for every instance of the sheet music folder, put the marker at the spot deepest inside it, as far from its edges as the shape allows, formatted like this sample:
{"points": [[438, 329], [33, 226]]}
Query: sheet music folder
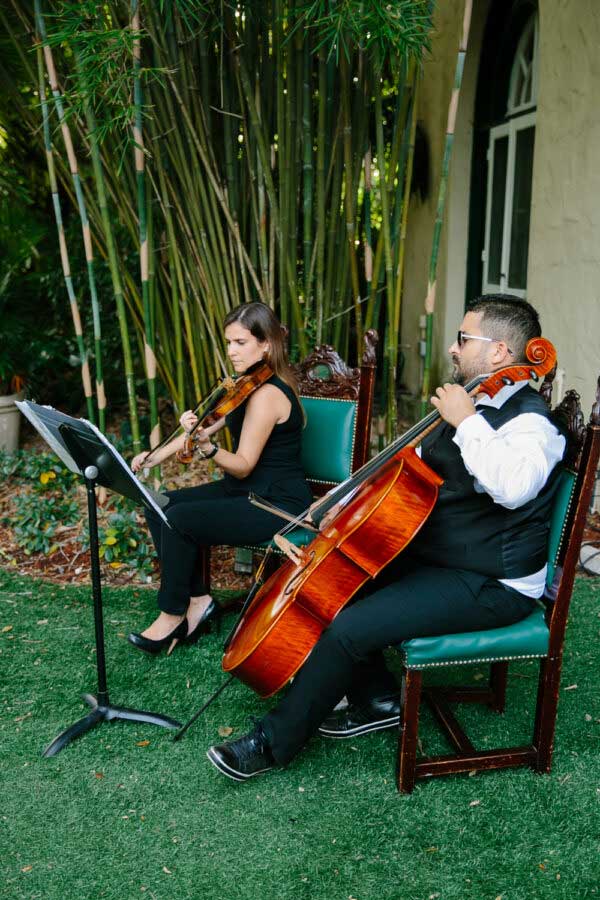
{"points": [[92, 448]]}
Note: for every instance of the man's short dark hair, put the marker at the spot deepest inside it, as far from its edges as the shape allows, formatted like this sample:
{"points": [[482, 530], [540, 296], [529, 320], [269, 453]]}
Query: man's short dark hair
{"points": [[507, 318]]}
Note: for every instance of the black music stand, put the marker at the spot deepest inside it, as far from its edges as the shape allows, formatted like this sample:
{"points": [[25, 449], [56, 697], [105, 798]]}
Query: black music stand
{"points": [[87, 452]]}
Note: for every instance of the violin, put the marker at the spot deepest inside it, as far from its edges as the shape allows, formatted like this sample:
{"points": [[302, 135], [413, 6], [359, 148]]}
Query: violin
{"points": [[223, 399], [230, 394], [382, 507]]}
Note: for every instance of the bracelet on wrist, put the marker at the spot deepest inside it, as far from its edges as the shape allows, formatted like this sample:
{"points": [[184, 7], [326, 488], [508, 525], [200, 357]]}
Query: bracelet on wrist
{"points": [[208, 454]]}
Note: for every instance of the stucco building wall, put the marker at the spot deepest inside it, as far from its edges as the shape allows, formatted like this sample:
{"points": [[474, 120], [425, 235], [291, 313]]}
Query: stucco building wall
{"points": [[564, 249]]}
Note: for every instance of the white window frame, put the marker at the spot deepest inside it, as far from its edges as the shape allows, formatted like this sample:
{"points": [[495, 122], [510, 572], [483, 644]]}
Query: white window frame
{"points": [[521, 63], [507, 129]]}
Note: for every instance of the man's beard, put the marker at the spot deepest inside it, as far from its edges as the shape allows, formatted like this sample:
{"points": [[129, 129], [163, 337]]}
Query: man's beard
{"points": [[458, 377], [463, 374]]}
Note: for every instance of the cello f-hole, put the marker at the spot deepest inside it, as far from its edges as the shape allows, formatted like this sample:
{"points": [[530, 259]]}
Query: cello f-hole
{"points": [[296, 576]]}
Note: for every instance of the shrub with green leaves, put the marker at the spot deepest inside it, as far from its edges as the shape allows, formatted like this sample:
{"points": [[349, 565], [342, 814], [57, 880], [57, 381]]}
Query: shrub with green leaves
{"points": [[35, 523], [124, 542], [43, 470]]}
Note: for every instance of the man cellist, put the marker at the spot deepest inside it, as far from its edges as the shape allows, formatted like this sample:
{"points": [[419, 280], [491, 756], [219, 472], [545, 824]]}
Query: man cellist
{"points": [[479, 562]]}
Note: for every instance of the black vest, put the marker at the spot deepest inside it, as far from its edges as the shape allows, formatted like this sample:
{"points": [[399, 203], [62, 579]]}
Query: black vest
{"points": [[466, 529]]}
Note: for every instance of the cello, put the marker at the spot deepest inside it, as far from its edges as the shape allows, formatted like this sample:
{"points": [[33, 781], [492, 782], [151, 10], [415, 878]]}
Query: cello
{"points": [[381, 509]]}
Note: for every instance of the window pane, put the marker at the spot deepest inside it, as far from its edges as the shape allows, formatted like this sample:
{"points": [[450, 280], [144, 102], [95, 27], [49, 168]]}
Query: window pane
{"points": [[497, 214], [519, 233]]}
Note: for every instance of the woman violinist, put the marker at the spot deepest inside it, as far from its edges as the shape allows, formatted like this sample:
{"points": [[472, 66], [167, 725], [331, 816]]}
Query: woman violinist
{"points": [[266, 431]]}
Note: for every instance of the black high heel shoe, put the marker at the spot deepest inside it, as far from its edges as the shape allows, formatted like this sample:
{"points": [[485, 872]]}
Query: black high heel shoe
{"points": [[171, 640], [212, 613]]}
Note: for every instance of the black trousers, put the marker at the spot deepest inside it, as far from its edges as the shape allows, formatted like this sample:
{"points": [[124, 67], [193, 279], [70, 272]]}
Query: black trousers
{"points": [[408, 601], [202, 516]]}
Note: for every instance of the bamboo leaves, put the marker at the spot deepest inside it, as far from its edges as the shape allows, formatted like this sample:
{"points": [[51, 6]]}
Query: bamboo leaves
{"points": [[268, 157]]}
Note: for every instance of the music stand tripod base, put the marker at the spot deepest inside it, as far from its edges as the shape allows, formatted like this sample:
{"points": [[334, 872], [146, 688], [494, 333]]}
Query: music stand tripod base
{"points": [[104, 712], [101, 710]]}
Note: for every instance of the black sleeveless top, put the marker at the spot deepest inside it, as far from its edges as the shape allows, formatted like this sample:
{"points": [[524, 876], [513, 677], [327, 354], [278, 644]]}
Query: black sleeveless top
{"points": [[278, 475]]}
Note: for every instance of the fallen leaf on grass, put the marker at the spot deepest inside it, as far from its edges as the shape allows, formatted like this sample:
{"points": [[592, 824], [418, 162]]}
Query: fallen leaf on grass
{"points": [[26, 868], [224, 730], [142, 743], [474, 802], [571, 687], [7, 628], [24, 716], [167, 871], [99, 774]]}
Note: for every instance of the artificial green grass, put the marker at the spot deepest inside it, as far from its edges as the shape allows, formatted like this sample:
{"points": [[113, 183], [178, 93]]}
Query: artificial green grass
{"points": [[123, 812]]}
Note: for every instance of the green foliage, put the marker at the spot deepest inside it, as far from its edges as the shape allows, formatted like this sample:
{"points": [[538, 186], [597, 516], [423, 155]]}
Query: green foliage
{"points": [[43, 470], [50, 501], [36, 521], [45, 505], [388, 32], [124, 541], [258, 127]]}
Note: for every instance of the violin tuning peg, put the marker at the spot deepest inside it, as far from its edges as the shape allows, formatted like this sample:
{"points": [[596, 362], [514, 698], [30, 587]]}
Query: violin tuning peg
{"points": [[507, 380], [534, 375]]}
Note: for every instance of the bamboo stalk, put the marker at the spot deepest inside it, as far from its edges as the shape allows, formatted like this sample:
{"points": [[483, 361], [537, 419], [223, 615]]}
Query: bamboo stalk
{"points": [[321, 210], [140, 162], [349, 195], [392, 427], [437, 229], [307, 180], [85, 224], [64, 253]]}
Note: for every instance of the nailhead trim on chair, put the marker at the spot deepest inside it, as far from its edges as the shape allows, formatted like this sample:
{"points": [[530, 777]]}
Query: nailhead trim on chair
{"points": [[336, 400], [468, 662], [565, 518]]}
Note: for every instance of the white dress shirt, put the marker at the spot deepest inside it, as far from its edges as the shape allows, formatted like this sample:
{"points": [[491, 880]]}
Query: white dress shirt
{"points": [[511, 464]]}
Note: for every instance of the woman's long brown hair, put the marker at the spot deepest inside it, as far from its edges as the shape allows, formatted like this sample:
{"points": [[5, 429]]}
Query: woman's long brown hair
{"points": [[261, 321]]}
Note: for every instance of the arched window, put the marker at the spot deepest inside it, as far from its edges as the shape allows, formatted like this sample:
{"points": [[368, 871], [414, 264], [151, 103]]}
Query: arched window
{"points": [[509, 173]]}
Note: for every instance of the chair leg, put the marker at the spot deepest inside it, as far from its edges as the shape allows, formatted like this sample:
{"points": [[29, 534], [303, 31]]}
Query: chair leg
{"points": [[498, 679], [409, 730], [545, 714]]}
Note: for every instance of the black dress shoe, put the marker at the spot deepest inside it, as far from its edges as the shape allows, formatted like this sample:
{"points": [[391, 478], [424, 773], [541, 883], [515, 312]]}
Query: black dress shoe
{"points": [[150, 646], [212, 613], [357, 720], [242, 759]]}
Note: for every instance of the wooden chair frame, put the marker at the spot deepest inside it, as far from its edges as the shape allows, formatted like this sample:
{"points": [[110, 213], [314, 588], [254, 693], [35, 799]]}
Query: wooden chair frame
{"points": [[584, 455], [342, 383]]}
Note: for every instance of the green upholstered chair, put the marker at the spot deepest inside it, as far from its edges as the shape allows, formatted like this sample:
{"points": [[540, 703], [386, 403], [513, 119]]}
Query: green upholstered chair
{"points": [[539, 636], [338, 402]]}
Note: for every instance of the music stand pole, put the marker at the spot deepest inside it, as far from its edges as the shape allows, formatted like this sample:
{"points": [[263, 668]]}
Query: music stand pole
{"points": [[101, 709]]}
